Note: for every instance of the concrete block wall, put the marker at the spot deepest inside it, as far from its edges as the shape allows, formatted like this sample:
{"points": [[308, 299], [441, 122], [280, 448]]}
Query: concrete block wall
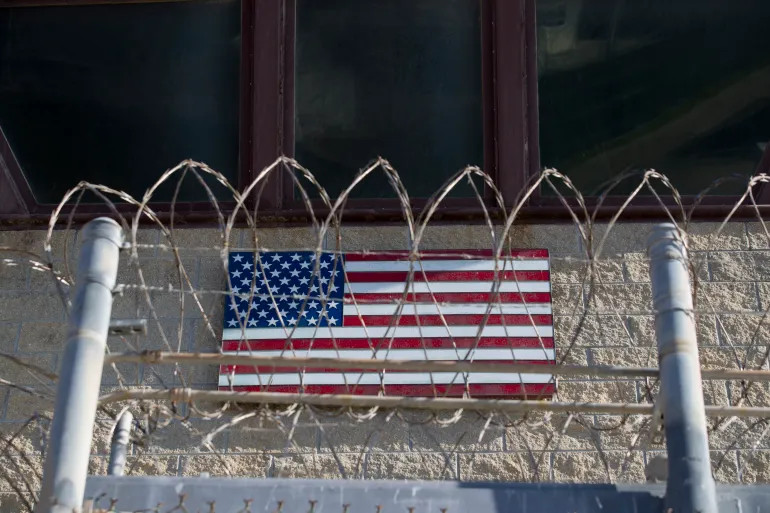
{"points": [[733, 291]]}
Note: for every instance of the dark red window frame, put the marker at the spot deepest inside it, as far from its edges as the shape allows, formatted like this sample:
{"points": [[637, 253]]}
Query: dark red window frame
{"points": [[507, 98], [509, 91]]}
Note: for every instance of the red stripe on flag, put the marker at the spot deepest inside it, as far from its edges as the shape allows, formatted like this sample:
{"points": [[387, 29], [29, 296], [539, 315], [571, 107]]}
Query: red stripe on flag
{"points": [[503, 390], [453, 297], [397, 343], [445, 254], [449, 320], [419, 275]]}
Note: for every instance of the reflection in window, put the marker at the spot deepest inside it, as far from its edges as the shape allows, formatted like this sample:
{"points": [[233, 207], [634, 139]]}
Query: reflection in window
{"points": [[682, 86], [116, 94], [399, 79]]}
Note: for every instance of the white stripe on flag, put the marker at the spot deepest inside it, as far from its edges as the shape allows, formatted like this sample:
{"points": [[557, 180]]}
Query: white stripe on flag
{"points": [[412, 354], [374, 378], [448, 309], [447, 265], [447, 286], [387, 332]]}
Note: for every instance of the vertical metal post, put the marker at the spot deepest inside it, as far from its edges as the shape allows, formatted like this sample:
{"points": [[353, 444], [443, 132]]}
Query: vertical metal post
{"points": [[119, 447], [80, 375], [690, 485]]}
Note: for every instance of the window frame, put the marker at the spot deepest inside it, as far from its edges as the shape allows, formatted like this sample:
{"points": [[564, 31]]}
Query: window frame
{"points": [[20, 209], [505, 122], [510, 132]]}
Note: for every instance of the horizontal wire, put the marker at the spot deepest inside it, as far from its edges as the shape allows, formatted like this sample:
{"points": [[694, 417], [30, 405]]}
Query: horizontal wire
{"points": [[188, 395], [171, 358], [418, 403]]}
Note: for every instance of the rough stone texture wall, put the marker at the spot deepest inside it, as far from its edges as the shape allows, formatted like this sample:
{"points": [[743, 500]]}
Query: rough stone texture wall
{"points": [[733, 291]]}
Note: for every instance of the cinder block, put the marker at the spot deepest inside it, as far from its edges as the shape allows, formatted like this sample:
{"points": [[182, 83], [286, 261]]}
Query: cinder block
{"points": [[122, 373], [595, 467], [169, 376], [731, 357], [42, 336], [706, 330], [21, 306], [740, 266], [755, 466], [183, 437], [506, 467], [206, 334], [318, 466], [146, 242], [43, 280], [621, 238], [204, 241], [706, 236], [699, 267], [597, 391], [212, 275], [567, 299], [264, 435], [561, 240], [592, 330], [381, 434], [9, 334], [134, 304], [24, 240], [715, 392], [743, 329], [22, 406], [540, 434], [628, 298], [728, 434], [14, 272], [725, 467], [226, 465], [201, 376], [457, 236], [31, 369], [466, 435], [642, 330], [637, 267], [152, 465], [11, 502], [573, 270], [161, 335], [362, 238], [758, 235], [97, 466], [102, 437], [166, 274], [749, 393], [631, 432], [267, 239], [628, 357], [717, 297], [574, 355], [412, 465]]}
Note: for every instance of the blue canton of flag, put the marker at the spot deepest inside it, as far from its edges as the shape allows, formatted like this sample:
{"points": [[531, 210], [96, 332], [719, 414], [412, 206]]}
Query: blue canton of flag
{"points": [[284, 289]]}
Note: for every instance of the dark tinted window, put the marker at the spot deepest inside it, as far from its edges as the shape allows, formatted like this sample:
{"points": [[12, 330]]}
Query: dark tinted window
{"points": [[399, 79], [116, 94], [682, 86]]}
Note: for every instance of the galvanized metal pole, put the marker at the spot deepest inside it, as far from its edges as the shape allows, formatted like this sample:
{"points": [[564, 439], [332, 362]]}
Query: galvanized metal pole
{"points": [[690, 485], [119, 448], [66, 464]]}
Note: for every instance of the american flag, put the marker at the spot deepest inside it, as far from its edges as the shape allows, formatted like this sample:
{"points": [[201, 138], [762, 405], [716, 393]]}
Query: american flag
{"points": [[331, 305]]}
